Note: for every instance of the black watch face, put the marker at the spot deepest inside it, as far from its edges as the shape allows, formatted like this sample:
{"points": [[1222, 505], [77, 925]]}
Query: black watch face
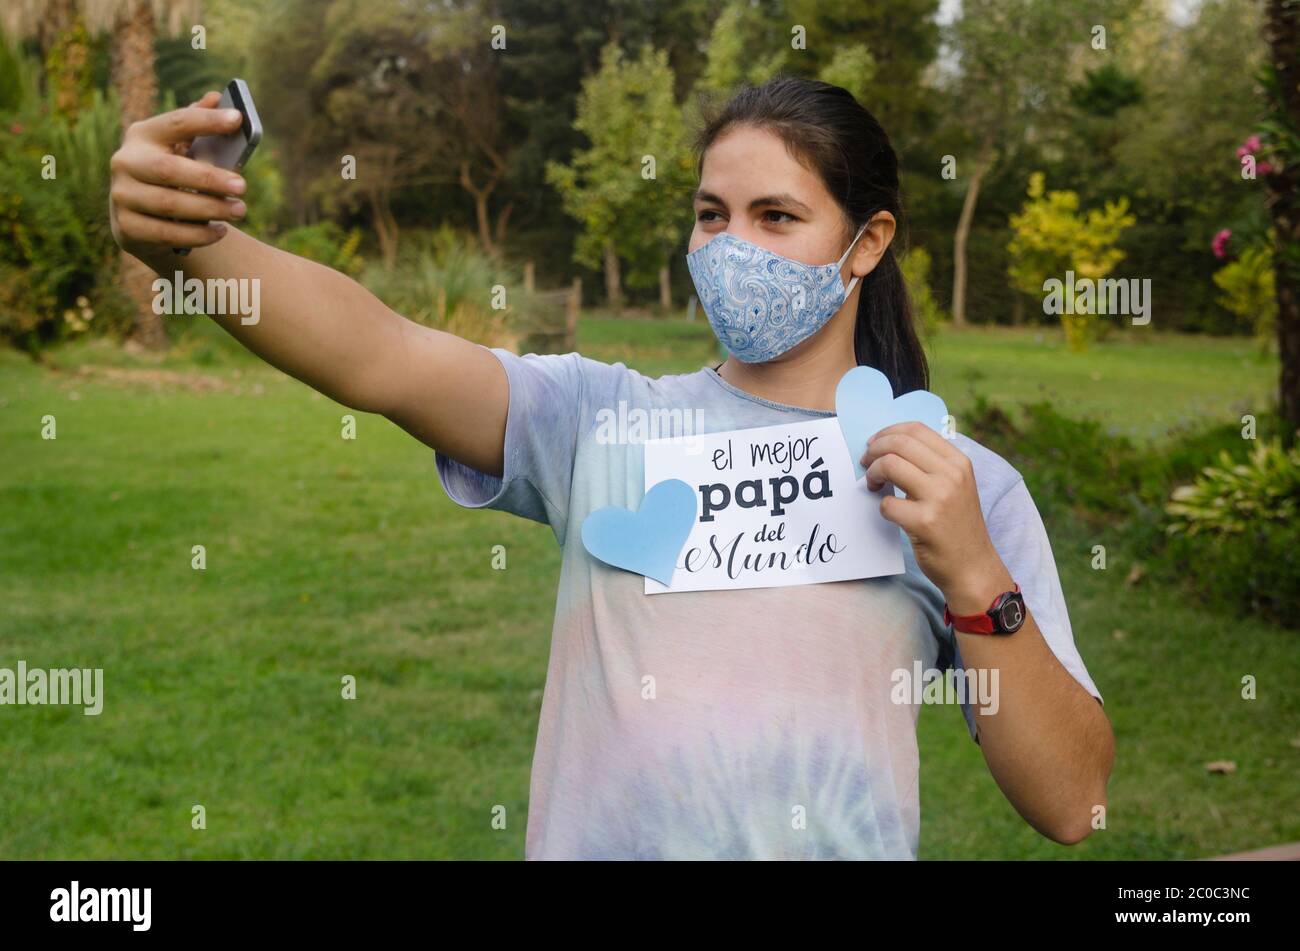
{"points": [[1011, 614]]}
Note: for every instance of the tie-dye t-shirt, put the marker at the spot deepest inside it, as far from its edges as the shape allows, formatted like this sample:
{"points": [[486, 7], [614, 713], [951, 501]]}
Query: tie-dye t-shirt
{"points": [[754, 723]]}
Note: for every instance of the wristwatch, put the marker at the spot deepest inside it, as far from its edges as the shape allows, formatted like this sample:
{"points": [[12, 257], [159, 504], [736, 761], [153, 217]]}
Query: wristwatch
{"points": [[1005, 616]]}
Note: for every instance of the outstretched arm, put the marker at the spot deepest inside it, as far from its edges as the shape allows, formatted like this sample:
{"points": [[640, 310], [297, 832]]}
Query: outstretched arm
{"points": [[316, 324]]}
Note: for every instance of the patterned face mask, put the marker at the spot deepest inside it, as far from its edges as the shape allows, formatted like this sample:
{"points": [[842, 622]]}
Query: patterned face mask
{"points": [[761, 304]]}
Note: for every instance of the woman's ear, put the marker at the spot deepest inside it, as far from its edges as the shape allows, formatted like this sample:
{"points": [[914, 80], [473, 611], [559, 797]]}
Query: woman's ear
{"points": [[872, 244]]}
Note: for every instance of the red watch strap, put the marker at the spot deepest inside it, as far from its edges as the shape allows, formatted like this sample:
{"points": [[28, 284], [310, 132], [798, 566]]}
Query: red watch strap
{"points": [[975, 623]]}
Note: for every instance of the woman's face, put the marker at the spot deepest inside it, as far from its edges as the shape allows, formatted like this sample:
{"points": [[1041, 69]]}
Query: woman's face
{"points": [[751, 186]]}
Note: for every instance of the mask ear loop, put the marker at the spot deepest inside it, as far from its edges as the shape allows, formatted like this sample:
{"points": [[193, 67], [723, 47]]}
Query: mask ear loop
{"points": [[845, 256]]}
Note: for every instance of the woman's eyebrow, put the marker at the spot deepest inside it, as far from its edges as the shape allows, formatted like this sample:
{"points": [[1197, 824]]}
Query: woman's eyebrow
{"points": [[783, 200]]}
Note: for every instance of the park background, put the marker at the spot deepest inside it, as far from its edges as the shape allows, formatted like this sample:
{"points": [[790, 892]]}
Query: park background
{"points": [[504, 144]]}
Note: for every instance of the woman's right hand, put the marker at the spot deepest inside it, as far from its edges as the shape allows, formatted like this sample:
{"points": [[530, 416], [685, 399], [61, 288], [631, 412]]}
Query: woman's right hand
{"points": [[151, 170], [315, 324]]}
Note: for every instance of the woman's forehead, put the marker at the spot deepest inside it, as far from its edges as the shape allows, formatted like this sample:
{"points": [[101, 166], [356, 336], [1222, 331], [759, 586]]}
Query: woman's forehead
{"points": [[746, 163]]}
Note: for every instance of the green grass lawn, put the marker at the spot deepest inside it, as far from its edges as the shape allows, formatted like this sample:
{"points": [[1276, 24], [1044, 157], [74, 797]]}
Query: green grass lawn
{"points": [[328, 557], [1139, 382]]}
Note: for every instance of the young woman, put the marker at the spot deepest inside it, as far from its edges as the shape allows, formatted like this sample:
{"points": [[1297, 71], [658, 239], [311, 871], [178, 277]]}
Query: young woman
{"points": [[737, 723]]}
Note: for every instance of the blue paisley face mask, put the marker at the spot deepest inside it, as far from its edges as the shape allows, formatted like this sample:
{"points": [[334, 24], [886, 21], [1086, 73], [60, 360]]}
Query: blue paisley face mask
{"points": [[761, 304]]}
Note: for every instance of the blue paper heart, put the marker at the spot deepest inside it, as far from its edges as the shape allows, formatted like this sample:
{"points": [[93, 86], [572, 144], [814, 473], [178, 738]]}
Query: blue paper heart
{"points": [[647, 541], [865, 404]]}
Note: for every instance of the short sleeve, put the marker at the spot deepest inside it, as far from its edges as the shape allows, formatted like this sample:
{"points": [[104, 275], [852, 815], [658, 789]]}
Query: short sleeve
{"points": [[1020, 539], [542, 431]]}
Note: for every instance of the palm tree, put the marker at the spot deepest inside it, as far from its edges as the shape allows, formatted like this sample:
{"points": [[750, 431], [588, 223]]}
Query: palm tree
{"points": [[61, 27], [60, 30]]}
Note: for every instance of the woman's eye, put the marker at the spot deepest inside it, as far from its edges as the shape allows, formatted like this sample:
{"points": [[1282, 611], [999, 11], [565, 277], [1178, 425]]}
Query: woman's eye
{"points": [[708, 215], [780, 218]]}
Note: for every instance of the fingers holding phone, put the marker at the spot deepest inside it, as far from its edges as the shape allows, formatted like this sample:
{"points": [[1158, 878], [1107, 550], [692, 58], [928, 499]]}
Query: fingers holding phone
{"points": [[209, 100], [230, 151], [161, 199]]}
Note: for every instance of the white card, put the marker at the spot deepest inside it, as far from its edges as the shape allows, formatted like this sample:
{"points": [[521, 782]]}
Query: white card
{"points": [[775, 506]]}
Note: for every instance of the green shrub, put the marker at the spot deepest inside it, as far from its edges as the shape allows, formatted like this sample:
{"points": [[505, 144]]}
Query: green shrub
{"points": [[1235, 531], [57, 256], [443, 280], [1071, 466], [1234, 498], [1191, 449], [55, 242], [1248, 291], [1255, 571], [17, 75]]}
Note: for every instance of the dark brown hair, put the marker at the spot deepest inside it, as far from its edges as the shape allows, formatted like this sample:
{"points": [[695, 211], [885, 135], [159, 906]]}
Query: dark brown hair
{"points": [[831, 133]]}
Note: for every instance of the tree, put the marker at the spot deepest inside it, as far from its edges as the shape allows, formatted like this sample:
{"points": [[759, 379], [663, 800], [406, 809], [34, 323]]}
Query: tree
{"points": [[412, 91], [471, 115], [1015, 63], [1197, 96], [539, 91], [60, 29], [878, 52], [852, 68], [628, 188], [374, 79], [903, 39], [1282, 83], [748, 44]]}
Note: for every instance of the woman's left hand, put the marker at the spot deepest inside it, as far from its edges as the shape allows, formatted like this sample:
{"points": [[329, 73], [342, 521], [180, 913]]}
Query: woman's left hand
{"points": [[941, 513]]}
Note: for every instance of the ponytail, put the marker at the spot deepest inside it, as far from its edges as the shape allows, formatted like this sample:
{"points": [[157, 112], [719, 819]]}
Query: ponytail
{"points": [[884, 335]]}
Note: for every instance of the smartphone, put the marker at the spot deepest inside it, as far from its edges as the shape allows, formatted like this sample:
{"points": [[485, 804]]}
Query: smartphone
{"points": [[230, 151]]}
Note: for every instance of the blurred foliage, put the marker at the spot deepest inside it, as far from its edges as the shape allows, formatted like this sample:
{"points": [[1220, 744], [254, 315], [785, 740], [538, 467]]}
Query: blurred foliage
{"points": [[1231, 497], [852, 68], [56, 249], [1229, 537], [741, 48], [1072, 466], [629, 115], [1151, 117], [1106, 90], [187, 73], [326, 243], [927, 313], [442, 280], [1236, 530], [1052, 237], [1248, 290]]}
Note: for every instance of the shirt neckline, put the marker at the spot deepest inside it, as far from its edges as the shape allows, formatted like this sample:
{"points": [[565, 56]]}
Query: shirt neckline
{"points": [[771, 404]]}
